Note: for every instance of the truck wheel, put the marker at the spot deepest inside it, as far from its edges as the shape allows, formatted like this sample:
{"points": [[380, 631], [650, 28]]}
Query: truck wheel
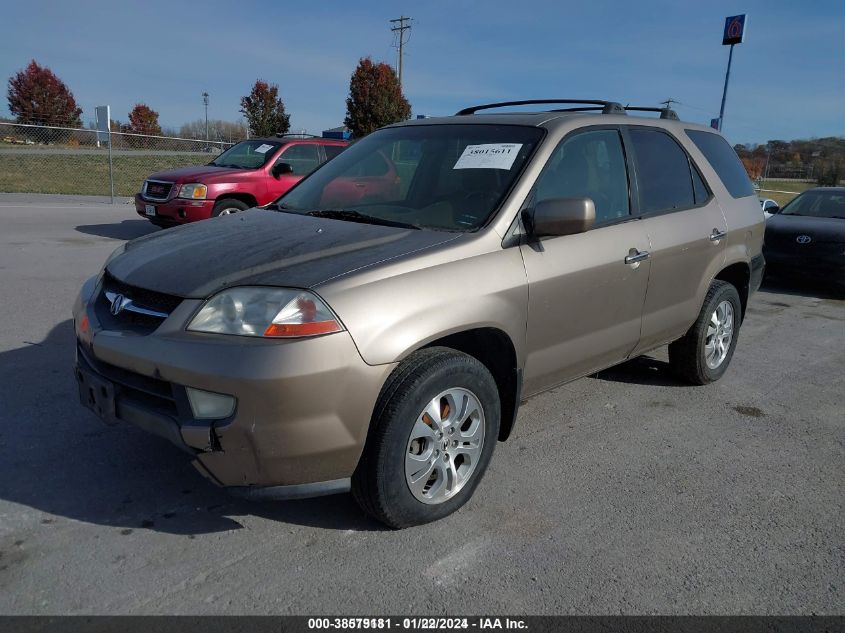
{"points": [[227, 206], [433, 432], [703, 354]]}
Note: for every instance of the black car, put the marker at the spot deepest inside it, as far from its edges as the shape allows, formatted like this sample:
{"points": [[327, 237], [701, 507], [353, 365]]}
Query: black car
{"points": [[806, 237]]}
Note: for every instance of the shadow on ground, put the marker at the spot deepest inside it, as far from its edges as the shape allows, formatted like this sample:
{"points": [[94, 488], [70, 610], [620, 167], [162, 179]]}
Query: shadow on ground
{"points": [[125, 230], [58, 458], [802, 287], [643, 370]]}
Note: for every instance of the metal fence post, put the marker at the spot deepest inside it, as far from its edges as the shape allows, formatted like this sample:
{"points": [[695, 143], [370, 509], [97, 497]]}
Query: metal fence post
{"points": [[111, 170]]}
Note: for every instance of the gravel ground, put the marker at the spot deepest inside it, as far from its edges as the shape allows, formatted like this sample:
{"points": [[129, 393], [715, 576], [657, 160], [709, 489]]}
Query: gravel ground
{"points": [[625, 492]]}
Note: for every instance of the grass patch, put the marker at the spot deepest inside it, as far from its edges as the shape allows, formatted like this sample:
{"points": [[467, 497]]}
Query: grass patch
{"points": [[84, 174], [774, 189]]}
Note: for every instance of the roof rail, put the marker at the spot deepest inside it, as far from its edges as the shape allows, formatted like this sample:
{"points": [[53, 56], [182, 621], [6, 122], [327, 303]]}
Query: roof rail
{"points": [[607, 107], [665, 113], [296, 135]]}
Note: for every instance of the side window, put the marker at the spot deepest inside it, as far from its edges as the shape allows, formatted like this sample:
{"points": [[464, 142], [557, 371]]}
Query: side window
{"points": [[724, 161], [700, 189], [332, 150], [589, 165], [663, 172], [302, 158]]}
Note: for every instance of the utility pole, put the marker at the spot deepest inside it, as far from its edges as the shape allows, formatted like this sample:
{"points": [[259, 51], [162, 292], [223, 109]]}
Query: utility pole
{"points": [[400, 29], [668, 103], [205, 103]]}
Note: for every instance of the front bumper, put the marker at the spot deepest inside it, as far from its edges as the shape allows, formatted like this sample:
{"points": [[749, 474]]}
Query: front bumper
{"points": [[809, 264], [174, 211], [303, 405]]}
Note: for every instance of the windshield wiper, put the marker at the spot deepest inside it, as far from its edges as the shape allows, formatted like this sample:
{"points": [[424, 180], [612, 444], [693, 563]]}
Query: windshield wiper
{"points": [[355, 216]]}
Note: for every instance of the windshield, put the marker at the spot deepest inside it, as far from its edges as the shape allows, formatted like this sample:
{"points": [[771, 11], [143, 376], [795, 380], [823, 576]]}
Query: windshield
{"points": [[446, 177], [819, 204], [247, 155]]}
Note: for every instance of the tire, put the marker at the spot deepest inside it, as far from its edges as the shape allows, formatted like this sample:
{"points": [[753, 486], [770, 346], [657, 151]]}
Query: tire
{"points": [[690, 357], [226, 206], [382, 484]]}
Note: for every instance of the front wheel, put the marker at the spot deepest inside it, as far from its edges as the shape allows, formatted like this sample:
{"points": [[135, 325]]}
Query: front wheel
{"points": [[703, 354], [434, 430], [228, 206]]}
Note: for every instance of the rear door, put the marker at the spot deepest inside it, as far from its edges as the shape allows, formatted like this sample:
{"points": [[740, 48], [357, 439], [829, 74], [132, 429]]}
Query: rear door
{"points": [[585, 301], [686, 229]]}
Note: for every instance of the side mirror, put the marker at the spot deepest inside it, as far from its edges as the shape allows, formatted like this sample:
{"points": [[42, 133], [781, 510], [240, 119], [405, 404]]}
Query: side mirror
{"points": [[560, 216], [773, 209], [281, 169]]}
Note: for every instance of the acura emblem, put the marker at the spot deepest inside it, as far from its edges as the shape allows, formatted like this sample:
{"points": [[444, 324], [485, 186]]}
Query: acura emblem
{"points": [[803, 239], [117, 304]]}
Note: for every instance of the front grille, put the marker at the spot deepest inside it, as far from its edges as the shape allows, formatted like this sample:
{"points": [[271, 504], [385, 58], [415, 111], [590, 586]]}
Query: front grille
{"points": [[157, 190], [140, 298], [158, 395], [787, 243]]}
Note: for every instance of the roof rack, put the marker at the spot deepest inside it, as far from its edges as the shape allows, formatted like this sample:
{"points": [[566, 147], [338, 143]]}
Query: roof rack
{"points": [[665, 113], [607, 107], [296, 135], [582, 105]]}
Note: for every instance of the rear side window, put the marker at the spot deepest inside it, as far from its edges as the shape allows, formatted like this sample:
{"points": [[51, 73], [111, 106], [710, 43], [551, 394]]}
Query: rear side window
{"points": [[724, 161], [663, 172], [701, 192]]}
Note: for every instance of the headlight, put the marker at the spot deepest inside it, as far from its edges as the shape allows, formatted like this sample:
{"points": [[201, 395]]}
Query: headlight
{"points": [[193, 191], [270, 312]]}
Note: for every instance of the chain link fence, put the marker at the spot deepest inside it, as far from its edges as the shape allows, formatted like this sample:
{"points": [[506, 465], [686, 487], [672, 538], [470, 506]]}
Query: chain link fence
{"points": [[69, 160]]}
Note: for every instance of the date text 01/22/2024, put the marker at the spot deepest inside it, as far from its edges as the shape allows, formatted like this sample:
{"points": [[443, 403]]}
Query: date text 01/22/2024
{"points": [[417, 624]]}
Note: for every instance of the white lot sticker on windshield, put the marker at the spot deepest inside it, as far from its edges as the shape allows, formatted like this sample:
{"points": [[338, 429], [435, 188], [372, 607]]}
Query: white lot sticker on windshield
{"points": [[488, 156], [262, 149]]}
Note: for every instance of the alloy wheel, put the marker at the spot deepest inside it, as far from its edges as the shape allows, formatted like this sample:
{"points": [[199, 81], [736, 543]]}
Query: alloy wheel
{"points": [[444, 446], [720, 331]]}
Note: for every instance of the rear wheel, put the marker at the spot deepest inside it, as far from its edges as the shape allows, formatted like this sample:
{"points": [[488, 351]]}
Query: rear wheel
{"points": [[434, 430], [227, 206], [703, 354]]}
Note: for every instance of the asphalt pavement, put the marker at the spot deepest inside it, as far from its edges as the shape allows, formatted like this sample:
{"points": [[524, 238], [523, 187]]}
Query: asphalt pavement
{"points": [[623, 493]]}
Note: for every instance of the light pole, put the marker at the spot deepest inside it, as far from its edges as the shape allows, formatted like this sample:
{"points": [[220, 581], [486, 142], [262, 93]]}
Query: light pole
{"points": [[205, 103]]}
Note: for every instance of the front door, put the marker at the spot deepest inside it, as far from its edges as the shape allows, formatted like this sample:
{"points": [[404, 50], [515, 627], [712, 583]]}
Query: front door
{"points": [[586, 291], [303, 159]]}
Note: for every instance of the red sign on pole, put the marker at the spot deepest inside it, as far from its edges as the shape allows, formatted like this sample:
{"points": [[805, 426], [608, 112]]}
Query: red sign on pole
{"points": [[734, 29]]}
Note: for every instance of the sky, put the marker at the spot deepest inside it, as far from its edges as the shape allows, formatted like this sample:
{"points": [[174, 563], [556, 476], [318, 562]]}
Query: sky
{"points": [[787, 79]]}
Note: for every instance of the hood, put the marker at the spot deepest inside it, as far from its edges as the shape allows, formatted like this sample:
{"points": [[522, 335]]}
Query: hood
{"points": [[819, 229], [261, 247], [194, 174]]}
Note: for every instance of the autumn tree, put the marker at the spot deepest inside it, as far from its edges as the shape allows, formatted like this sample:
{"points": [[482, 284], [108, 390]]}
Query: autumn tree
{"points": [[375, 98], [144, 120], [37, 96], [264, 110]]}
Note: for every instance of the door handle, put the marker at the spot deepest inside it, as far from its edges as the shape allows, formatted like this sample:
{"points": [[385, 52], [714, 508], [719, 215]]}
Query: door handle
{"points": [[360, 185], [716, 235], [637, 257]]}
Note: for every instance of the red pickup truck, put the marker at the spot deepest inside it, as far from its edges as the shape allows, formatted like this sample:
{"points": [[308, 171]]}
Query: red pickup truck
{"points": [[249, 174]]}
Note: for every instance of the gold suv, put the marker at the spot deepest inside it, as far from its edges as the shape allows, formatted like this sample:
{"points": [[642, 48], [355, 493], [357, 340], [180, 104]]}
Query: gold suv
{"points": [[376, 327]]}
